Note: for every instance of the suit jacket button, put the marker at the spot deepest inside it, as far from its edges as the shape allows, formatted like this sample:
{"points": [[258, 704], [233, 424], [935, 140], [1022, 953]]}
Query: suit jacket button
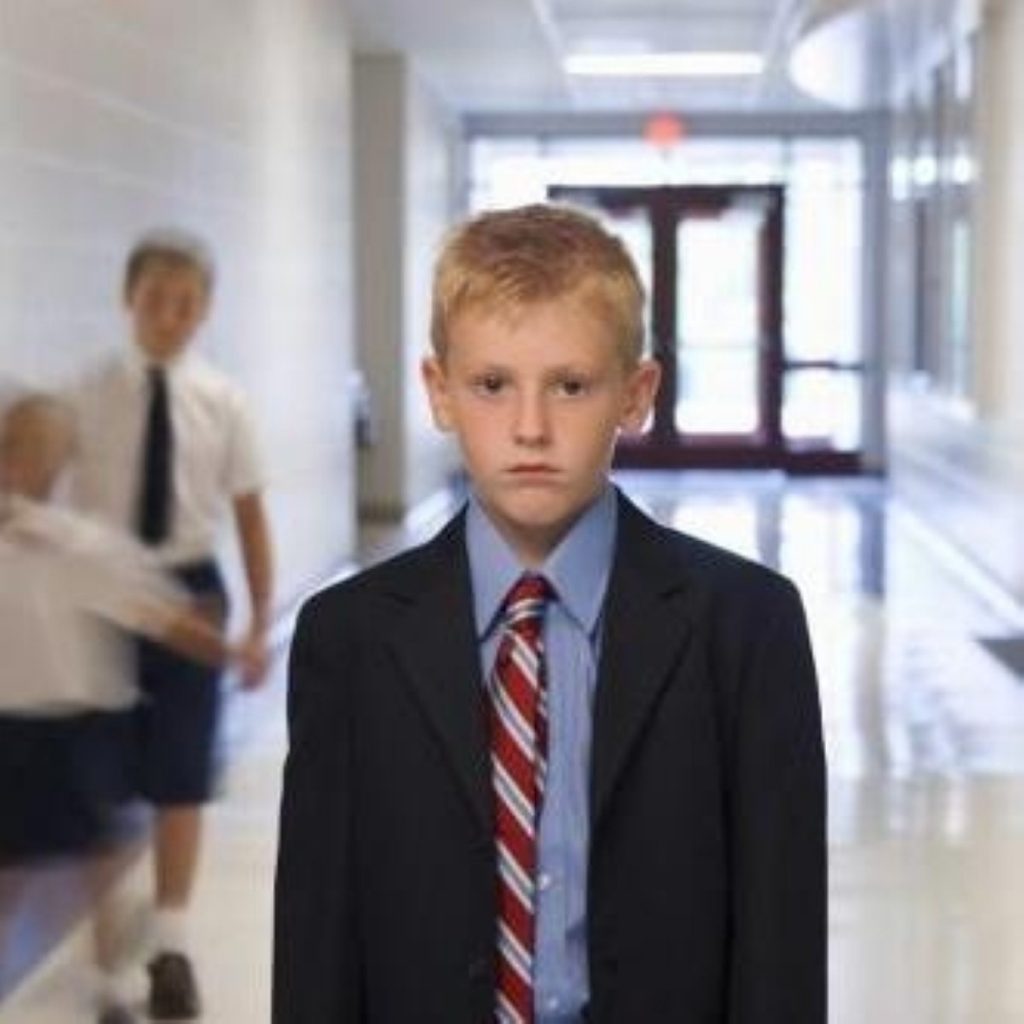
{"points": [[478, 968]]}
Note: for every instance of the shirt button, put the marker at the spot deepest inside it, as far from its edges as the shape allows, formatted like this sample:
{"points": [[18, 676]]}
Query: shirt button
{"points": [[544, 882], [552, 1003]]}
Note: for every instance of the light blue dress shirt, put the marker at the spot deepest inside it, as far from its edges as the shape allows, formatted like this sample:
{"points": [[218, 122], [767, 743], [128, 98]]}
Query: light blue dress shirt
{"points": [[578, 571]]}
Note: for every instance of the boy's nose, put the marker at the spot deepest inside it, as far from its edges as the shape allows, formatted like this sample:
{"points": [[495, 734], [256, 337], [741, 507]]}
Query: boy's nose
{"points": [[164, 316], [531, 423]]}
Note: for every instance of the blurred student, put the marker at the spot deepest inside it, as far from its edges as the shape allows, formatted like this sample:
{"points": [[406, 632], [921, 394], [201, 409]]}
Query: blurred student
{"points": [[165, 446], [70, 590]]}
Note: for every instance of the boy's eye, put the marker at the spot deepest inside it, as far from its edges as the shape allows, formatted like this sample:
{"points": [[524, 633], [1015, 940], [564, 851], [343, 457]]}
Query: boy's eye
{"points": [[489, 384], [571, 387]]}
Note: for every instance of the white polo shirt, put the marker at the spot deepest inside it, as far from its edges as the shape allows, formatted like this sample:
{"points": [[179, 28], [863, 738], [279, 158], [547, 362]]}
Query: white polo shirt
{"points": [[215, 450], [64, 581]]}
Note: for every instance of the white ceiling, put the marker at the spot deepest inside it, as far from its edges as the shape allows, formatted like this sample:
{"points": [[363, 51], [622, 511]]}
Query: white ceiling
{"points": [[505, 55]]}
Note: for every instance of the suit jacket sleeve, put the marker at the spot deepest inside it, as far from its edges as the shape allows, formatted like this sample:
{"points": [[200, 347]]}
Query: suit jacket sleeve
{"points": [[316, 970], [779, 927]]}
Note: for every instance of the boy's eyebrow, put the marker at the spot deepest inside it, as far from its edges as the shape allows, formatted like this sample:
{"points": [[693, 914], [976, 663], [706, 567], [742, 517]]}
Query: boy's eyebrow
{"points": [[484, 370], [577, 369], [547, 371]]}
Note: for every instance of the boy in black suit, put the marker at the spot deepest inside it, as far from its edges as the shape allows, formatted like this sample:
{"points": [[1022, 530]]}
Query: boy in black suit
{"points": [[559, 764]]}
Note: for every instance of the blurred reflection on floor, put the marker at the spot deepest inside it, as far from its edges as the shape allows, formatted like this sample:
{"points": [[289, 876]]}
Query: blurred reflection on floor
{"points": [[925, 734]]}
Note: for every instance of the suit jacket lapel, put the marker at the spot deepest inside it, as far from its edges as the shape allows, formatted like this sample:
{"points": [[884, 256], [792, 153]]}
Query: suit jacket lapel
{"points": [[436, 646], [646, 628]]}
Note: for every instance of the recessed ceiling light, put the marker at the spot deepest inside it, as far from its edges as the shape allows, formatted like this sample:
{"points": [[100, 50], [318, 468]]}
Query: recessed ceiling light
{"points": [[647, 65]]}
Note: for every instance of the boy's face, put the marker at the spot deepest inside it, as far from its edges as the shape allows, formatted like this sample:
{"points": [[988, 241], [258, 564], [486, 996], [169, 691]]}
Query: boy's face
{"points": [[167, 304], [536, 402]]}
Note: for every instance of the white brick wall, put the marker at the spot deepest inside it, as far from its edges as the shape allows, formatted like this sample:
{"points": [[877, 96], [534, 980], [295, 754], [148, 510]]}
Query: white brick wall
{"points": [[231, 118]]}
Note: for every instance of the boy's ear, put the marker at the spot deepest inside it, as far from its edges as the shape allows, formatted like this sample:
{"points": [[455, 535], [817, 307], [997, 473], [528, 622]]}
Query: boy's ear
{"points": [[436, 382], [641, 389]]}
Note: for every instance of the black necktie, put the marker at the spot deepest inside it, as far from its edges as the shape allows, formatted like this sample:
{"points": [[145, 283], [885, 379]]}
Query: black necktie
{"points": [[154, 513]]}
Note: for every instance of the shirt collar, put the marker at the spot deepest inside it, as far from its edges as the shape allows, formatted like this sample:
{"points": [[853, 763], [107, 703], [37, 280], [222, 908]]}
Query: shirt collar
{"points": [[138, 363], [578, 568]]}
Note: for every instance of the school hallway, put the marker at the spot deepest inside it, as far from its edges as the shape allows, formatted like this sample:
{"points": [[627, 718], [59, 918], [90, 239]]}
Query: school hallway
{"points": [[824, 202], [925, 739]]}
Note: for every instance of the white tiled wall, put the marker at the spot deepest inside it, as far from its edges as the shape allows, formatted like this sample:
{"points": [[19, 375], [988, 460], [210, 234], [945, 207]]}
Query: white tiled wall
{"points": [[231, 118]]}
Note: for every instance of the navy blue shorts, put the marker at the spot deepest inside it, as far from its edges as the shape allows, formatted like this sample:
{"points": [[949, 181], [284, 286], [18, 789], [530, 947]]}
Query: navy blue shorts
{"points": [[61, 781], [179, 708]]}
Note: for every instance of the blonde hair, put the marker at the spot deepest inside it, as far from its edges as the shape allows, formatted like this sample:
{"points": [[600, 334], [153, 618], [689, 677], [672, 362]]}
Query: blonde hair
{"points": [[37, 408], [503, 260], [37, 426]]}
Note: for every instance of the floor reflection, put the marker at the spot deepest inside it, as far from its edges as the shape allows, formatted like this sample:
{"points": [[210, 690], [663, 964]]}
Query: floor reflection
{"points": [[925, 737]]}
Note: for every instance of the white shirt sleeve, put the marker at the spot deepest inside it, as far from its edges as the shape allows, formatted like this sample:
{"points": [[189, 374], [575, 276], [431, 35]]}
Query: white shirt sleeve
{"points": [[107, 574], [132, 594], [243, 469]]}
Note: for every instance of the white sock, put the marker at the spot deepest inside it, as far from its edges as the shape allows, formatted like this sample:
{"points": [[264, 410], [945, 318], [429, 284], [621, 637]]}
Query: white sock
{"points": [[170, 931], [106, 988]]}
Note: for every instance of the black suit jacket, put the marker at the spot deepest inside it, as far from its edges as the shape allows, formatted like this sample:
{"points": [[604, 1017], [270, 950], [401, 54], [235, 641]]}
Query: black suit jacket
{"points": [[706, 886]]}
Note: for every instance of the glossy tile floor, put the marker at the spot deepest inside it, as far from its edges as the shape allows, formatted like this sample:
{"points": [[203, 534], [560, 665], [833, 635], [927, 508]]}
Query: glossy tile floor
{"points": [[925, 735]]}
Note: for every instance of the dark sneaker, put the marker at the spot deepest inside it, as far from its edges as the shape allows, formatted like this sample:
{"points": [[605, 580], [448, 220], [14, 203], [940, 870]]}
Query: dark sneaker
{"points": [[173, 994], [116, 1013]]}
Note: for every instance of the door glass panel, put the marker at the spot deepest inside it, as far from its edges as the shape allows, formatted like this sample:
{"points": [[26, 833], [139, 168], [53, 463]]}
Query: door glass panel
{"points": [[824, 249], [718, 336], [821, 409]]}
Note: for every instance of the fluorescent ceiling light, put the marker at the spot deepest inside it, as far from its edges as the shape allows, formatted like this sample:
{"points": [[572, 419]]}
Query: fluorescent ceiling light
{"points": [[647, 65]]}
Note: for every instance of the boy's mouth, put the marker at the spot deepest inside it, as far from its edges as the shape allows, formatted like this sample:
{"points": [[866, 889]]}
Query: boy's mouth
{"points": [[533, 474]]}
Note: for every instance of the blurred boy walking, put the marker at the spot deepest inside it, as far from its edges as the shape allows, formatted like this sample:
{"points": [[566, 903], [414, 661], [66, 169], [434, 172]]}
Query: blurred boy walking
{"points": [[165, 445]]}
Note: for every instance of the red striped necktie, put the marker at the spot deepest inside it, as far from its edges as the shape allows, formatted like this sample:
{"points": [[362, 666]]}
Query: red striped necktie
{"points": [[519, 739]]}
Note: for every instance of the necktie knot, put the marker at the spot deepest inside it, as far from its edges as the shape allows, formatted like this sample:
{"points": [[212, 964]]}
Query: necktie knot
{"points": [[526, 601]]}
